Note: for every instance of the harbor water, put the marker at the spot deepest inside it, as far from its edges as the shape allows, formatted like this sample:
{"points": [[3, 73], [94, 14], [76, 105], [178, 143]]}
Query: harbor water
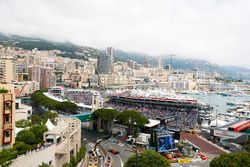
{"points": [[219, 102]]}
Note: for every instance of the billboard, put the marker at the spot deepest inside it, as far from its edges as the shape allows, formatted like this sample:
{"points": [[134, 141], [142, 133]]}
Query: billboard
{"points": [[165, 143]]}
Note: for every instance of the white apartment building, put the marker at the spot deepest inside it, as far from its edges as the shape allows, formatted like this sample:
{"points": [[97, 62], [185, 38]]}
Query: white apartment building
{"points": [[61, 142], [22, 111], [26, 87], [8, 69], [115, 80]]}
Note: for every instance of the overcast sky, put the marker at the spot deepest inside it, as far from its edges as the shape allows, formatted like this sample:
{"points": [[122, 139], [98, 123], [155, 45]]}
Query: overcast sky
{"points": [[214, 30]]}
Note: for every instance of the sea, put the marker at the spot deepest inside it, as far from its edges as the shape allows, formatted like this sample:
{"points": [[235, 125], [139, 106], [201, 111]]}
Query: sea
{"points": [[218, 102]]}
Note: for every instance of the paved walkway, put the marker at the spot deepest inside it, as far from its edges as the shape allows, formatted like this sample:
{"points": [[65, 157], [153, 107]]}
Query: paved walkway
{"points": [[204, 145]]}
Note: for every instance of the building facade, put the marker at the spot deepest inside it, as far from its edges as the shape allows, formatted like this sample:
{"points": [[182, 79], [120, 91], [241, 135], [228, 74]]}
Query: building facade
{"points": [[8, 69], [61, 142], [105, 61], [7, 116], [43, 75]]}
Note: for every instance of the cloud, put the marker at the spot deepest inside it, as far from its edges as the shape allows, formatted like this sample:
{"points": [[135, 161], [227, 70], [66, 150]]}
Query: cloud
{"points": [[214, 30]]}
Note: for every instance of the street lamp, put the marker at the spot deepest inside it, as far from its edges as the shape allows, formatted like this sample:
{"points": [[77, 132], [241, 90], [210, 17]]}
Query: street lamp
{"points": [[129, 128]]}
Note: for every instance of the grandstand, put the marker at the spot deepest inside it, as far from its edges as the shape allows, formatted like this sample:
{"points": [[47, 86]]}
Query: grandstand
{"points": [[88, 100], [184, 111]]}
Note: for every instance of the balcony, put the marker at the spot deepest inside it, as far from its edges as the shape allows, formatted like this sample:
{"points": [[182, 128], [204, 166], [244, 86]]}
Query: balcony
{"points": [[8, 106], [7, 126], [7, 140], [7, 136], [7, 110]]}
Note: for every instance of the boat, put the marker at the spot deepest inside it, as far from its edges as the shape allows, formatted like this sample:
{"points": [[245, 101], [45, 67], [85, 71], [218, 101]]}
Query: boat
{"points": [[241, 112], [238, 103], [194, 92], [224, 93]]}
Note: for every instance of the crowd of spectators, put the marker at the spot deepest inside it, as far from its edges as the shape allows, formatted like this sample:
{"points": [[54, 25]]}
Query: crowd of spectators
{"points": [[183, 116], [85, 97]]}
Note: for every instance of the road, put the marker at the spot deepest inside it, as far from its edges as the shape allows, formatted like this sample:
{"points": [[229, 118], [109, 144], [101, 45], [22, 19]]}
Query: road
{"points": [[119, 159]]}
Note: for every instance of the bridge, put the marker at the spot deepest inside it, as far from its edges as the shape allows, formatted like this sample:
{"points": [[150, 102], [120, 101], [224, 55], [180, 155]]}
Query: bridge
{"points": [[84, 117]]}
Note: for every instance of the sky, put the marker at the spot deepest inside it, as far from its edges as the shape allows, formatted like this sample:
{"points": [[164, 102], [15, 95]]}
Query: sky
{"points": [[213, 30]]}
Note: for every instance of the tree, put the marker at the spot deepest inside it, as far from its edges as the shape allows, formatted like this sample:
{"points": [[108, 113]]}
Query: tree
{"points": [[21, 147], [155, 144], [23, 123], [39, 98], [49, 115], [105, 116], [231, 160], [38, 131], [73, 161], [6, 156], [36, 119], [147, 159], [27, 137], [3, 90], [81, 153], [68, 107], [132, 118], [44, 165]]}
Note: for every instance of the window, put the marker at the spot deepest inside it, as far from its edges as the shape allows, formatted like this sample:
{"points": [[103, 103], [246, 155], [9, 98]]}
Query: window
{"points": [[7, 133], [72, 152], [17, 105], [7, 105], [7, 119]]}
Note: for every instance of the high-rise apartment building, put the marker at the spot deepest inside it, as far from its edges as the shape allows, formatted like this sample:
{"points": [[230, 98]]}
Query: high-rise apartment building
{"points": [[45, 78], [8, 69], [159, 62], [105, 61], [34, 73], [7, 113], [110, 52], [146, 63], [43, 75]]}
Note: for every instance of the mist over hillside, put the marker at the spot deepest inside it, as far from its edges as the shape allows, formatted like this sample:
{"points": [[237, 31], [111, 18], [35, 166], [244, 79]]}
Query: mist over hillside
{"points": [[84, 52]]}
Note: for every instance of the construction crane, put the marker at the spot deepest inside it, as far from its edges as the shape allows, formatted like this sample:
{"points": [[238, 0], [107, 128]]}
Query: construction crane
{"points": [[23, 88], [171, 60]]}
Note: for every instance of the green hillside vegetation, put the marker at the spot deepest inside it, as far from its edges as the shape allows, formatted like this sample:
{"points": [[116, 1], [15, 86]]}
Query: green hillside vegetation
{"points": [[39, 98]]}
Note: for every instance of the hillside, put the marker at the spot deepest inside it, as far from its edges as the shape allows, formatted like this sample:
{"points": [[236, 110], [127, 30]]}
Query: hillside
{"points": [[83, 52], [68, 49]]}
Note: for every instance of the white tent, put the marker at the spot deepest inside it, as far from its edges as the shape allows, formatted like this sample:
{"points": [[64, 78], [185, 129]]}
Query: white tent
{"points": [[17, 130], [219, 123], [49, 124], [152, 123]]}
